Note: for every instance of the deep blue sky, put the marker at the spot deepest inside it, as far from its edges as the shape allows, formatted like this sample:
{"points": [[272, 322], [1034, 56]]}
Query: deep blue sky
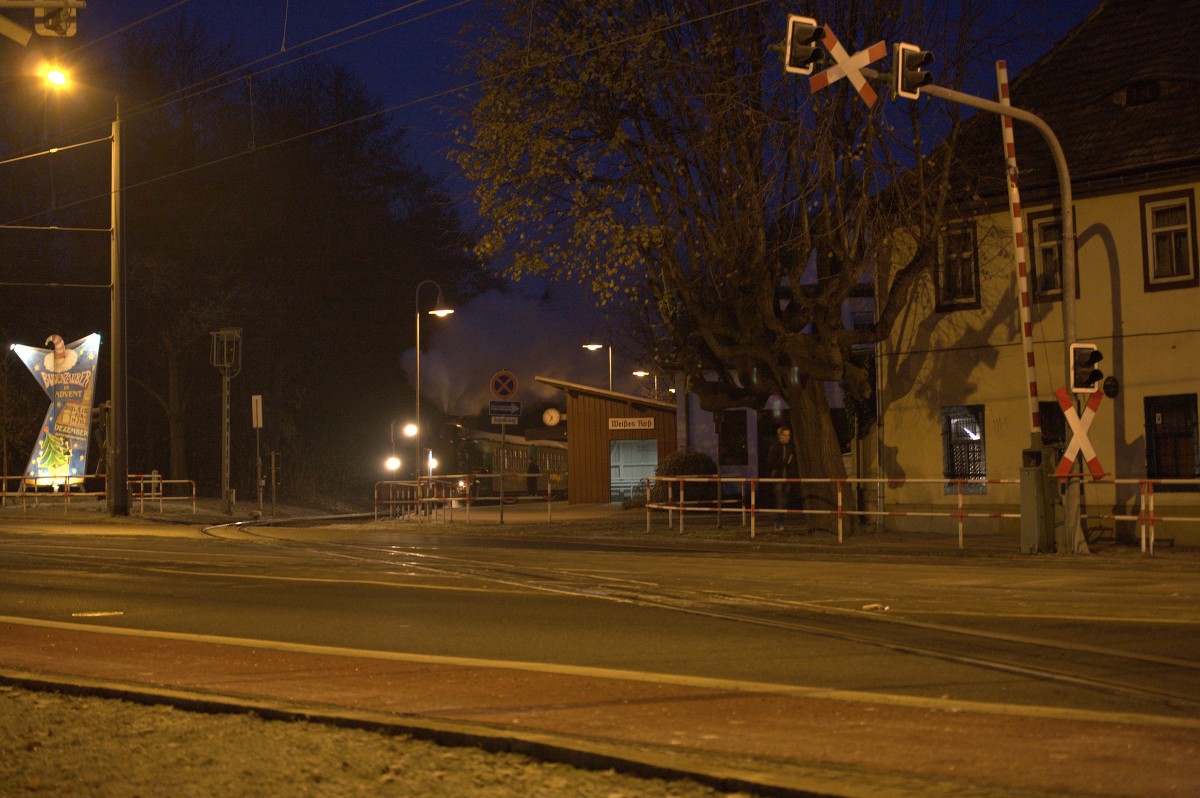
{"points": [[409, 55]]}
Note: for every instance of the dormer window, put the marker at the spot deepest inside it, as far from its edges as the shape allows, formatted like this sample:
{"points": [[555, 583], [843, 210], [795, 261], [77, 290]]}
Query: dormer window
{"points": [[1140, 92]]}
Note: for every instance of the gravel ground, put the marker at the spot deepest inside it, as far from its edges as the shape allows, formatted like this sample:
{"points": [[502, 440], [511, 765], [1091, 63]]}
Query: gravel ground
{"points": [[53, 744]]}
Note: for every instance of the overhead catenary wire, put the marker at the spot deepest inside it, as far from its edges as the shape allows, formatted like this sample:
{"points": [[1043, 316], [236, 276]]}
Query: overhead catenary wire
{"points": [[161, 102]]}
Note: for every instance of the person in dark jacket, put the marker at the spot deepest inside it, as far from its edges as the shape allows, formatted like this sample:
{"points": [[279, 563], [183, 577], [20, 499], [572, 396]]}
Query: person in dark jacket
{"points": [[781, 463]]}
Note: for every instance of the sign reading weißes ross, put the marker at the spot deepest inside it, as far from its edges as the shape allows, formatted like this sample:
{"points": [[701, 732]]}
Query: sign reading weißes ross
{"points": [[630, 423]]}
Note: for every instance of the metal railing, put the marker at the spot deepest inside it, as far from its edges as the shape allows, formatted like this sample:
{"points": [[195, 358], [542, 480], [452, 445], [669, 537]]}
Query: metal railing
{"points": [[431, 497], [152, 486], [1147, 515]]}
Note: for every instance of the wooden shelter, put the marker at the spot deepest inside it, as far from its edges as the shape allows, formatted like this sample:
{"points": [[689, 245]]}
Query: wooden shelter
{"points": [[614, 440]]}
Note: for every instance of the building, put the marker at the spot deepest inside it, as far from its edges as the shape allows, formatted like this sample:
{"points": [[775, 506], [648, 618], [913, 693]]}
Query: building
{"points": [[614, 440], [1121, 94]]}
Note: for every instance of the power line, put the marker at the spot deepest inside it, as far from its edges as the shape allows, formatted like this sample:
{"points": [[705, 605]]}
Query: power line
{"points": [[393, 108]]}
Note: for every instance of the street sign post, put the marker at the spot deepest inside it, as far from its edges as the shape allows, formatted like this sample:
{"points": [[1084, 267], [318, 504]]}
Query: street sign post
{"points": [[504, 413], [503, 385]]}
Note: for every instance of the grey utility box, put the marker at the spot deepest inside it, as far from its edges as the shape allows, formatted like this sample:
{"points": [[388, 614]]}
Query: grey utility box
{"points": [[1037, 504]]}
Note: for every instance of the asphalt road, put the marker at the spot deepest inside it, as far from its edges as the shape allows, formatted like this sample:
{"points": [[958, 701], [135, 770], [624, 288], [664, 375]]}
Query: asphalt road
{"points": [[1033, 637]]}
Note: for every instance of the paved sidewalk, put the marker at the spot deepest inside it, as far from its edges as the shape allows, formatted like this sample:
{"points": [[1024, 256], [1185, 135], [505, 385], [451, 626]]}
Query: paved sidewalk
{"points": [[733, 735]]}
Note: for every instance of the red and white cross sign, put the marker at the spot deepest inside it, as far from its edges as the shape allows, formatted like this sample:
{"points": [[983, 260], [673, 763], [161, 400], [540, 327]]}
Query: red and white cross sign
{"points": [[848, 66], [1079, 438]]}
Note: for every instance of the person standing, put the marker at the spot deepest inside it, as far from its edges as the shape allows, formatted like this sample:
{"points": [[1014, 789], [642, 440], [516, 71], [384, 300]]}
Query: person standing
{"points": [[781, 464]]}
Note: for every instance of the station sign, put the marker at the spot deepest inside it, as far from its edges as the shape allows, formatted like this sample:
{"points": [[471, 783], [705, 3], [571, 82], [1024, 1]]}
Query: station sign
{"points": [[631, 423]]}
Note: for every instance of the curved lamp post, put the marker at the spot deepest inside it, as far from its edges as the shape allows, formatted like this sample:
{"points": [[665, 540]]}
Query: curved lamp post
{"points": [[439, 309], [593, 348], [118, 438]]}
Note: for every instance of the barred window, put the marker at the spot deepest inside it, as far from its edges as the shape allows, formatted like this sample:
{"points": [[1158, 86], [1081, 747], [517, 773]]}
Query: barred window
{"points": [[963, 455], [1172, 445]]}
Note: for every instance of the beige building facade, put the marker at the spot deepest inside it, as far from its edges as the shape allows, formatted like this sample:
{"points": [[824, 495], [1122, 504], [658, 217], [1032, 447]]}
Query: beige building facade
{"points": [[952, 378]]}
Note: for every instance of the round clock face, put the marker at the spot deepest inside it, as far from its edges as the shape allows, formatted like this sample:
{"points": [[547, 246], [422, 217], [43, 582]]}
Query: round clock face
{"points": [[550, 417]]}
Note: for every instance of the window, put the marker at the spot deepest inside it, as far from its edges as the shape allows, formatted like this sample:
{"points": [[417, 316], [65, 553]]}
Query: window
{"points": [[962, 447], [1172, 445], [1169, 241], [1045, 258], [957, 274], [732, 448], [1054, 425]]}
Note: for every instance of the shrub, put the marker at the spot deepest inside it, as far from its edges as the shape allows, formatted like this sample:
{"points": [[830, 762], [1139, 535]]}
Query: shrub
{"points": [[686, 464]]}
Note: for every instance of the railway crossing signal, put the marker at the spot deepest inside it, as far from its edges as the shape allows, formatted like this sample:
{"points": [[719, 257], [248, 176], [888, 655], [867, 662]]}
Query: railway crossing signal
{"points": [[1080, 443], [908, 70], [802, 49], [1085, 377]]}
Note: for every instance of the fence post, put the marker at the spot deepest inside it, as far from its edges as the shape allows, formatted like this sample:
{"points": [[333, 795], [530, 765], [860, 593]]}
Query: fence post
{"points": [[959, 483], [753, 506], [840, 486], [1151, 485], [682, 485]]}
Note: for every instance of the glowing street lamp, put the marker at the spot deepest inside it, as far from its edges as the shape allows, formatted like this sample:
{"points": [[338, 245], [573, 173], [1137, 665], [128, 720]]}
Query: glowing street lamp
{"points": [[118, 437], [642, 373], [392, 464], [440, 309], [593, 348]]}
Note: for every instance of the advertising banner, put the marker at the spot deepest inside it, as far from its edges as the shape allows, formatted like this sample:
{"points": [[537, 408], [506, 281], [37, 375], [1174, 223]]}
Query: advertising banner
{"points": [[67, 373]]}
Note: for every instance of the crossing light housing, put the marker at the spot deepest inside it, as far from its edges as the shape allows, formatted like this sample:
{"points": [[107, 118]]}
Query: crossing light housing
{"points": [[802, 49], [1085, 377], [908, 65]]}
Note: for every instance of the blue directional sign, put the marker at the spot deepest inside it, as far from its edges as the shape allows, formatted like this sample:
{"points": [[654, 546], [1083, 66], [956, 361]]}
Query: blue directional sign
{"points": [[504, 408]]}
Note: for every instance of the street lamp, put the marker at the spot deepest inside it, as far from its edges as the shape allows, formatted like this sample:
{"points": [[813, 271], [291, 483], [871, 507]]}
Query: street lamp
{"points": [[642, 373], [593, 348], [118, 438], [439, 309]]}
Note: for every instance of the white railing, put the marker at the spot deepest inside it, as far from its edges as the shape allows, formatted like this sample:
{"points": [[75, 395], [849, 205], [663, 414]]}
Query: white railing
{"points": [[677, 503], [141, 487]]}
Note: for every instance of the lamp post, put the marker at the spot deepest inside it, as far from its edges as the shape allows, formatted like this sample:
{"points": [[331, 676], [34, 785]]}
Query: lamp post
{"points": [[593, 348], [642, 373], [440, 309], [117, 491], [118, 434]]}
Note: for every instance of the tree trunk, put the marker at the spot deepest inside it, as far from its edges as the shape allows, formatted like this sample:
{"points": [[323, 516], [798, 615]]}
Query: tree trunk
{"points": [[817, 451]]}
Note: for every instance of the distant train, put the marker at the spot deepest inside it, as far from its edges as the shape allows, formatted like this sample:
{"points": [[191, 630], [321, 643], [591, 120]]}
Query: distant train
{"points": [[484, 455]]}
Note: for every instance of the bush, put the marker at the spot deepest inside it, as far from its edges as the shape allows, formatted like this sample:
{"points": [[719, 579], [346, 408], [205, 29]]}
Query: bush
{"points": [[686, 464]]}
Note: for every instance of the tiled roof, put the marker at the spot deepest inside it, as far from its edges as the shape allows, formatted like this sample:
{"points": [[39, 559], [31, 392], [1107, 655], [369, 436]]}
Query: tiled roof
{"points": [[1121, 92]]}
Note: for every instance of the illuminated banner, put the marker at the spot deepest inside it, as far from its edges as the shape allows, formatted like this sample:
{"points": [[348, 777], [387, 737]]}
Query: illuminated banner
{"points": [[67, 373]]}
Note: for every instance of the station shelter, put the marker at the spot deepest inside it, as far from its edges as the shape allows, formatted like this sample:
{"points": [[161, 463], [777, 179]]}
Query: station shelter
{"points": [[614, 440]]}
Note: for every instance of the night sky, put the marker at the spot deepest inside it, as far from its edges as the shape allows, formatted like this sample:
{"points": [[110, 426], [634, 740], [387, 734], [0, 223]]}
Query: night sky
{"points": [[408, 54]]}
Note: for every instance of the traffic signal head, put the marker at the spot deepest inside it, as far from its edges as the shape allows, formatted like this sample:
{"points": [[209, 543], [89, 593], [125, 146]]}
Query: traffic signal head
{"points": [[1085, 377], [802, 49], [908, 65]]}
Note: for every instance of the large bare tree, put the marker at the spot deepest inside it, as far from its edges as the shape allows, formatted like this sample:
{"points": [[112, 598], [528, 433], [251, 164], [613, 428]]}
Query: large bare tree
{"points": [[657, 151]]}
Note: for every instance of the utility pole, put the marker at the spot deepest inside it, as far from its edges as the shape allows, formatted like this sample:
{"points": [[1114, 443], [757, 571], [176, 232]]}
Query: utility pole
{"points": [[226, 355]]}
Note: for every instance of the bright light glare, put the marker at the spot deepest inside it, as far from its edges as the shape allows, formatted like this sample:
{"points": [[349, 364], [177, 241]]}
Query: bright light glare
{"points": [[410, 430], [593, 347], [441, 312], [55, 76], [392, 463], [641, 374]]}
